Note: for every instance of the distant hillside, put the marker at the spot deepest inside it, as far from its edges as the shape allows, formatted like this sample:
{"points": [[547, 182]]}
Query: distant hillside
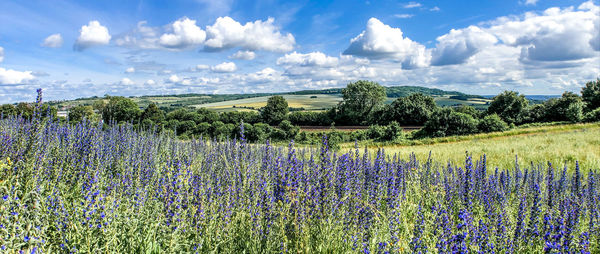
{"points": [[306, 99], [394, 92]]}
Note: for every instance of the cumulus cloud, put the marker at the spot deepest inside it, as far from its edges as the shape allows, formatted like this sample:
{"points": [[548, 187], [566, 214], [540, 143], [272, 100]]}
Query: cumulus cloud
{"points": [[310, 59], [53, 41], [458, 45], [224, 67], [243, 55], [12, 77], [258, 35], [1, 54], [173, 79], [150, 82], [379, 41], [91, 35], [199, 67], [185, 33], [555, 35], [130, 70], [126, 82]]}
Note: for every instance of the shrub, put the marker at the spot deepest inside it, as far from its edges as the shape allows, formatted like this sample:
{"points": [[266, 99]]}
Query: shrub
{"points": [[492, 123]]}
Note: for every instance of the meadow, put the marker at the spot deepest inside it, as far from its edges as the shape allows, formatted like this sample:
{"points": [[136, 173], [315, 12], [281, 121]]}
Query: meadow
{"points": [[81, 188]]}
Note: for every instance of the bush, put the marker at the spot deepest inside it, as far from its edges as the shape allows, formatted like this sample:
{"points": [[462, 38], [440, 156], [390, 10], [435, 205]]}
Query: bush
{"points": [[376, 132], [289, 129], [492, 123], [393, 131], [593, 116], [447, 122]]}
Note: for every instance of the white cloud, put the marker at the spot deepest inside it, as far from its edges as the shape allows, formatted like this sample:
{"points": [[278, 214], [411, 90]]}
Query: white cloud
{"points": [[224, 67], [555, 35], [199, 67], [141, 37], [1, 54], [379, 41], [243, 55], [404, 16], [310, 59], [91, 35], [150, 82], [173, 79], [258, 35], [53, 41], [126, 82], [12, 77], [185, 33], [458, 45], [130, 70], [412, 5], [531, 2], [435, 8]]}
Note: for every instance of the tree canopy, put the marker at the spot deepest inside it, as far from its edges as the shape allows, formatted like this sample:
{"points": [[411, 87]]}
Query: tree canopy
{"points": [[360, 100]]}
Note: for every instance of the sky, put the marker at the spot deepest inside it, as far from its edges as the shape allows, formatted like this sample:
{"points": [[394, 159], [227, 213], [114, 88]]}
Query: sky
{"points": [[74, 49]]}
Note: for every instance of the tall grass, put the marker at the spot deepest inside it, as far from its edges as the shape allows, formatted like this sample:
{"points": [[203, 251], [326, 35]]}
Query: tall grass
{"points": [[84, 189]]}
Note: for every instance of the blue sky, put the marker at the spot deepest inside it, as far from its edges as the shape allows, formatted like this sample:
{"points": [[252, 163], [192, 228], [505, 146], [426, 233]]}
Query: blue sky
{"points": [[77, 49]]}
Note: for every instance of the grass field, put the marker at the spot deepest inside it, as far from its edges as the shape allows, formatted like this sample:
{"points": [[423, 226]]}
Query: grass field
{"points": [[295, 101], [562, 144]]}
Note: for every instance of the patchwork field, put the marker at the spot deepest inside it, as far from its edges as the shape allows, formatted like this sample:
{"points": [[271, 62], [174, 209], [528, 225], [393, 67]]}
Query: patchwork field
{"points": [[308, 102]]}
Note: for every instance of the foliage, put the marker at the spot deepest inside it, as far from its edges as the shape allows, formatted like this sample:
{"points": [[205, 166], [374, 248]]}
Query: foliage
{"points": [[360, 100], [120, 109], [593, 116], [510, 106], [78, 113], [290, 131], [447, 122], [412, 110], [492, 123], [591, 94], [275, 111]]}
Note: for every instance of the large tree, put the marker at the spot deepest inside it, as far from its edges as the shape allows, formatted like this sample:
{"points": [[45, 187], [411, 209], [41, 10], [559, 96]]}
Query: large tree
{"points": [[414, 109], [591, 94], [510, 106], [78, 113], [275, 111], [360, 100], [120, 109]]}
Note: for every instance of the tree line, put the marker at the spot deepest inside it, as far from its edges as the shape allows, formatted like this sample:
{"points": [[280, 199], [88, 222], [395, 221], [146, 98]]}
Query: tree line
{"points": [[363, 103]]}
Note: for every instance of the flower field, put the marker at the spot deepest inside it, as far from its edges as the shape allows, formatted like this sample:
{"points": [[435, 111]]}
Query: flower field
{"points": [[79, 188]]}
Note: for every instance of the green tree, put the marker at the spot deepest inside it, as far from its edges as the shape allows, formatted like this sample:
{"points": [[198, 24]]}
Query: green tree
{"points": [[510, 106], [591, 94], [275, 111], [414, 109], [447, 122], [491, 123], [393, 131], [469, 110], [569, 107], [78, 113], [360, 100], [289, 129], [153, 113], [7, 110], [120, 109]]}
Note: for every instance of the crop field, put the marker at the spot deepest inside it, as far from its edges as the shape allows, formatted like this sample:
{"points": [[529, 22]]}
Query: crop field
{"points": [[84, 189], [320, 102]]}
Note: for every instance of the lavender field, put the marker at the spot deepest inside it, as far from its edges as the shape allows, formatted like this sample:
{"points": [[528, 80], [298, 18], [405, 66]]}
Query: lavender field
{"points": [[79, 188]]}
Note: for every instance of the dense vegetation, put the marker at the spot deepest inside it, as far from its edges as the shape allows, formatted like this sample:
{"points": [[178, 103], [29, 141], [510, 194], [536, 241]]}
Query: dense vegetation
{"points": [[82, 187], [363, 104]]}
